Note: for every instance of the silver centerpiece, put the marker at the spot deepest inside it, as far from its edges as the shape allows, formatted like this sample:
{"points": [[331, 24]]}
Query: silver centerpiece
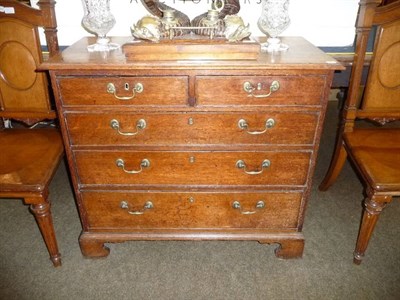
{"points": [[211, 24], [99, 20], [273, 21]]}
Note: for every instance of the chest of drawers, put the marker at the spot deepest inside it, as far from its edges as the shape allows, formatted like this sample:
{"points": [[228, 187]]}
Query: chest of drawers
{"points": [[192, 150]]}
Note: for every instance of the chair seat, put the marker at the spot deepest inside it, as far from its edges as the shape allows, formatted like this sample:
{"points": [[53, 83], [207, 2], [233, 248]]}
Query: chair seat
{"points": [[376, 152], [28, 158]]}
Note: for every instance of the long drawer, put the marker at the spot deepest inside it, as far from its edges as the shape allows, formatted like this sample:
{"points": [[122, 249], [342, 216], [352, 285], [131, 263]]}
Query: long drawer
{"points": [[278, 128], [124, 211], [192, 168], [259, 90], [143, 91]]}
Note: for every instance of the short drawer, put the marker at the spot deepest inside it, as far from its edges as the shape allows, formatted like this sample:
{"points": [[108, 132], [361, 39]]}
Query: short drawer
{"points": [[192, 129], [259, 90], [128, 211], [192, 168], [145, 91]]}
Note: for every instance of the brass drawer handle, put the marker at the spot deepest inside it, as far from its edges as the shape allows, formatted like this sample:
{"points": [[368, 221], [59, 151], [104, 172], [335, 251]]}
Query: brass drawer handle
{"points": [[138, 88], [140, 125], [147, 205], [259, 205], [240, 164], [249, 88], [145, 163], [242, 124]]}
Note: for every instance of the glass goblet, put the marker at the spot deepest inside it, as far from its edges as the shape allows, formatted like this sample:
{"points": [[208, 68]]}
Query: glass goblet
{"points": [[99, 20], [273, 21]]}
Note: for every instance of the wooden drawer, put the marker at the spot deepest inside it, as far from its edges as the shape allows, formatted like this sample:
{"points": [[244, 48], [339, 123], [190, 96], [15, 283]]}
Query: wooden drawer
{"points": [[229, 90], [191, 129], [162, 90], [192, 168], [127, 211]]}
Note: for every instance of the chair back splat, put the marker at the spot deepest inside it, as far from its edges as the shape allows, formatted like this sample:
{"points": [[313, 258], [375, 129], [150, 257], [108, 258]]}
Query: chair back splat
{"points": [[24, 92]]}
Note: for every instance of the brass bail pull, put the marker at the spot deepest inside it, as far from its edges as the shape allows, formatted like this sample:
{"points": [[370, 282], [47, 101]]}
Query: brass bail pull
{"points": [[140, 125], [147, 205], [249, 88], [243, 125], [145, 163], [259, 205], [240, 164], [137, 89]]}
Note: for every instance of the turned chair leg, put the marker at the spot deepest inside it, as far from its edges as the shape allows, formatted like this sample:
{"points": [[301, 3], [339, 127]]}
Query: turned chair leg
{"points": [[40, 208], [373, 206], [336, 166]]}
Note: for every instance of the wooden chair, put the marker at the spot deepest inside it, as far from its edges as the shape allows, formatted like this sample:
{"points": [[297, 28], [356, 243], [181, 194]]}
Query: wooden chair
{"points": [[29, 156], [374, 150]]}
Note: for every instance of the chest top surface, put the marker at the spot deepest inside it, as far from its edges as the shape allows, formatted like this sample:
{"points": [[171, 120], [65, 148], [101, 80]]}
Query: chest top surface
{"points": [[301, 55]]}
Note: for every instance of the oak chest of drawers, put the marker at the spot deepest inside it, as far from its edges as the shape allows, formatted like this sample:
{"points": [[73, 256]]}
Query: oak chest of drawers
{"points": [[192, 150]]}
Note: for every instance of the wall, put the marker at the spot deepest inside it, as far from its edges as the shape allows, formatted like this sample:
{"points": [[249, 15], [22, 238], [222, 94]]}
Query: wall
{"points": [[327, 23]]}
